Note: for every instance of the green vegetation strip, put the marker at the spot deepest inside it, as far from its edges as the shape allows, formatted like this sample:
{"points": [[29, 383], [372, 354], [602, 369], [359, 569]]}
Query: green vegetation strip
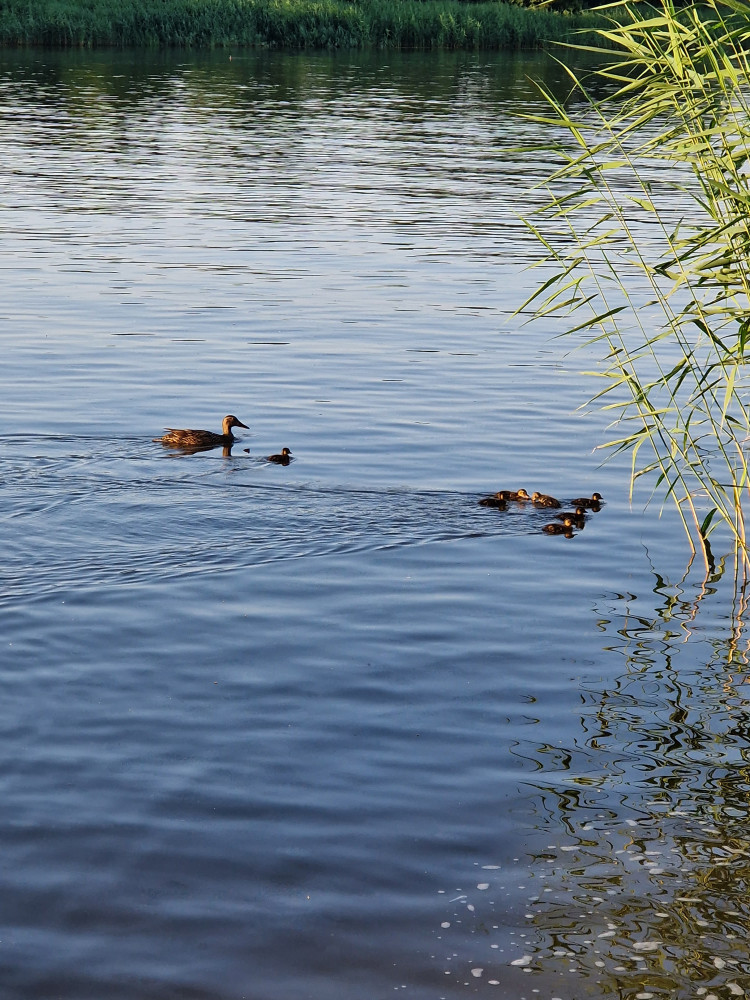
{"points": [[295, 24]]}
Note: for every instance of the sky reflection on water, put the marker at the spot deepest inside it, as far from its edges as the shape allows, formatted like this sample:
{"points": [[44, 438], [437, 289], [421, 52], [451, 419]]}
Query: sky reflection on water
{"points": [[332, 729]]}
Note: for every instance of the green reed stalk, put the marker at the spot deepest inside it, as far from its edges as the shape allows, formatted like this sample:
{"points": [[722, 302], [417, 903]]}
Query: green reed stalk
{"points": [[668, 300]]}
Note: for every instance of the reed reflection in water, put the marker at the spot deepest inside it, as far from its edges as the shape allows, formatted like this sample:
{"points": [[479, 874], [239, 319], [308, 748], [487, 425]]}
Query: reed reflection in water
{"points": [[646, 893]]}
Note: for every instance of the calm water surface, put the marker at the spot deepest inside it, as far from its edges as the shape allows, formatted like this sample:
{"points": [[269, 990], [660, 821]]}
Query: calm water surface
{"points": [[332, 730]]}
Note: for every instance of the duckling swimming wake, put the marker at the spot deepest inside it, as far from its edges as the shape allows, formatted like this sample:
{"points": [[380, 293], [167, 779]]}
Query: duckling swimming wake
{"points": [[188, 438]]}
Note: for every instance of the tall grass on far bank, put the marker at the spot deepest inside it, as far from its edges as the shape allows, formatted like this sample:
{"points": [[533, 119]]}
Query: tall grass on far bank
{"points": [[674, 369], [293, 24]]}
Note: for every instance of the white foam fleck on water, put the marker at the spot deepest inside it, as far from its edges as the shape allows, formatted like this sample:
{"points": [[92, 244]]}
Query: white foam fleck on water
{"points": [[719, 963], [735, 989], [483, 885], [490, 868], [646, 945], [477, 973], [523, 960], [445, 923]]}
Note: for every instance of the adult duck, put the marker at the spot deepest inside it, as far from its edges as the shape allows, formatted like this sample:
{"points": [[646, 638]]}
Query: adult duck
{"points": [[188, 438]]}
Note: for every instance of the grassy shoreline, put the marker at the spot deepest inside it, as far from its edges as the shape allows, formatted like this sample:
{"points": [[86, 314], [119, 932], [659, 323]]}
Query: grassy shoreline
{"points": [[290, 24]]}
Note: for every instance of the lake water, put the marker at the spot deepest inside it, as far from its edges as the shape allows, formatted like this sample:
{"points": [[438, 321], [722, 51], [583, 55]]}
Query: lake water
{"points": [[332, 730]]}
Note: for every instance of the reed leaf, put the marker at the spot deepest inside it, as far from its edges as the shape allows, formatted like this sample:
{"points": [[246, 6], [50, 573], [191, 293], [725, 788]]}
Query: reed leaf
{"points": [[678, 94]]}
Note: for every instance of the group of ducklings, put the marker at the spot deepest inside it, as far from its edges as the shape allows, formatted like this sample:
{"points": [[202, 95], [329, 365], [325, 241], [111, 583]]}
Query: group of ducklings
{"points": [[564, 523], [191, 440]]}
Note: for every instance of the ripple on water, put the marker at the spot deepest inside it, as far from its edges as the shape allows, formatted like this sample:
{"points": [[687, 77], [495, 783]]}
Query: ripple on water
{"points": [[77, 522]]}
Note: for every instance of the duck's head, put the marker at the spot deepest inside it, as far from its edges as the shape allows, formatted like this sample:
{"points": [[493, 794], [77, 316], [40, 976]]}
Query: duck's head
{"points": [[523, 495], [231, 421], [597, 497], [285, 452]]}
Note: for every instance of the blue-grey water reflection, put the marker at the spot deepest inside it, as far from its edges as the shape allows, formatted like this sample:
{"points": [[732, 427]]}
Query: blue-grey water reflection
{"points": [[331, 729]]}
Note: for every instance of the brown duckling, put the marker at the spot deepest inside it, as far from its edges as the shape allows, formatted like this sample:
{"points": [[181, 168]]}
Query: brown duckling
{"points": [[188, 438], [283, 459], [495, 500], [578, 516], [544, 500], [566, 528], [503, 496], [513, 495], [591, 502]]}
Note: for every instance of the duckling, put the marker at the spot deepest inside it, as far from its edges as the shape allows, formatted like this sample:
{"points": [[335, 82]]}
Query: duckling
{"points": [[592, 502], [578, 516], [513, 495], [283, 459], [494, 501], [566, 528], [543, 500], [503, 496], [202, 439]]}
